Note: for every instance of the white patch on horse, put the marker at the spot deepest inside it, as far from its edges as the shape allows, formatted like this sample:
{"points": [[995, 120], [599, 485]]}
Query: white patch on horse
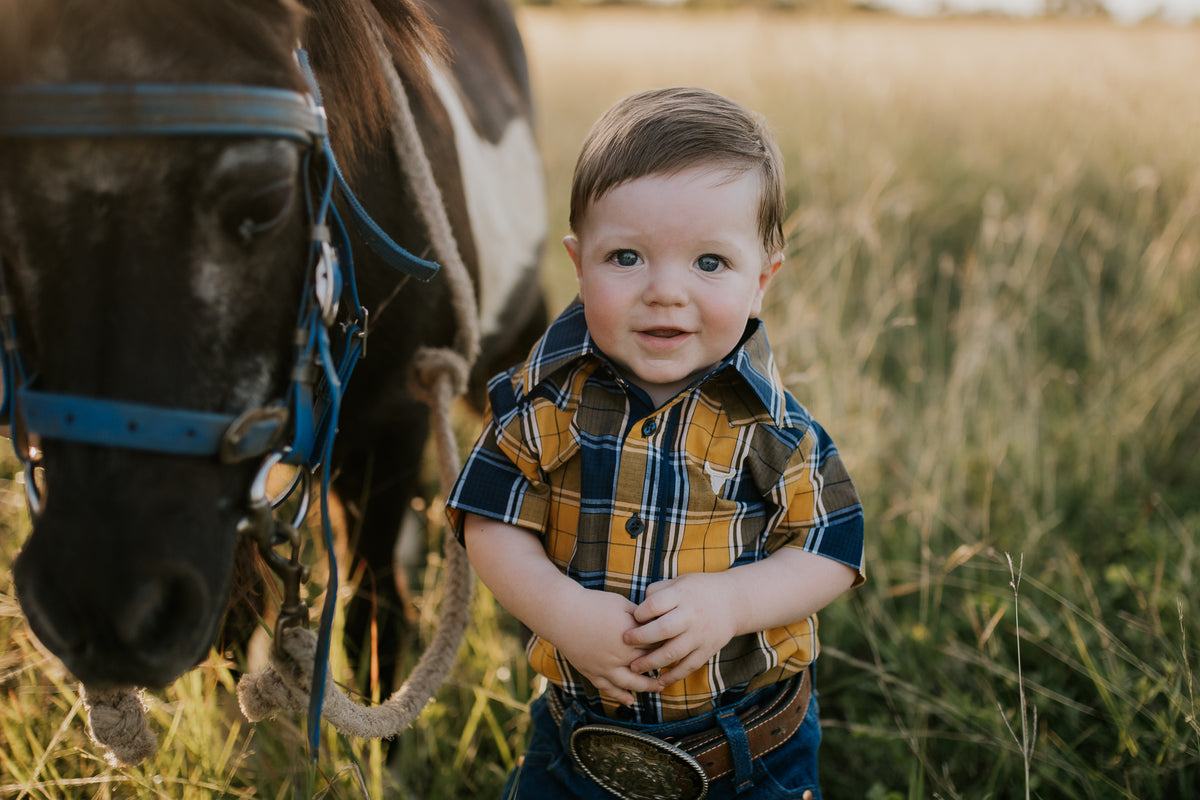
{"points": [[253, 384], [98, 168], [217, 276], [208, 281], [506, 201]]}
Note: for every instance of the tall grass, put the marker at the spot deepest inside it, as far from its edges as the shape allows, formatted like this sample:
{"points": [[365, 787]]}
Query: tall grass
{"points": [[989, 300]]}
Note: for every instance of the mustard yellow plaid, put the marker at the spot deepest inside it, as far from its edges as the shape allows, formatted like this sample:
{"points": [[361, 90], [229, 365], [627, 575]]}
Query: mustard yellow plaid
{"points": [[624, 495]]}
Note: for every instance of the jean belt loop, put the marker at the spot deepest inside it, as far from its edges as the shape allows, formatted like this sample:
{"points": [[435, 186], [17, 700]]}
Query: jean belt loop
{"points": [[573, 717], [739, 748]]}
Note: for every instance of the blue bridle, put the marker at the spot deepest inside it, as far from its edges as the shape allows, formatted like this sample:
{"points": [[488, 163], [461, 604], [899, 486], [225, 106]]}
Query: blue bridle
{"points": [[325, 345]]}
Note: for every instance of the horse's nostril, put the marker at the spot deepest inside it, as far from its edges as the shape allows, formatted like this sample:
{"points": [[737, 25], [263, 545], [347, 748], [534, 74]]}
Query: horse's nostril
{"points": [[163, 613], [42, 622]]}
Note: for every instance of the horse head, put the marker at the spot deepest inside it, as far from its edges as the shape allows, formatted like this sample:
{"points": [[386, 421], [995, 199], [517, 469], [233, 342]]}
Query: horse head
{"points": [[165, 233], [160, 271]]}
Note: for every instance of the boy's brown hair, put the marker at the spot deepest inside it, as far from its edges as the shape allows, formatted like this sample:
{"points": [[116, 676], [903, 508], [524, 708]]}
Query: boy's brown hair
{"points": [[666, 131]]}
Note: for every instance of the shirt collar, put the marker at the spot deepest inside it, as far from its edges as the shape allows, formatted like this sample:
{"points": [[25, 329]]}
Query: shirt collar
{"points": [[566, 342]]}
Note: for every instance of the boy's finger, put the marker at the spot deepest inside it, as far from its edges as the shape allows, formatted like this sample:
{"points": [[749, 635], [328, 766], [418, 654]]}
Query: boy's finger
{"points": [[658, 586], [618, 694], [621, 687], [648, 635], [635, 682], [681, 670], [652, 608], [659, 658]]}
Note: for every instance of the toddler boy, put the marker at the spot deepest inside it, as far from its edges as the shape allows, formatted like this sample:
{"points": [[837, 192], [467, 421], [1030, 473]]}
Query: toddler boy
{"points": [[646, 496]]}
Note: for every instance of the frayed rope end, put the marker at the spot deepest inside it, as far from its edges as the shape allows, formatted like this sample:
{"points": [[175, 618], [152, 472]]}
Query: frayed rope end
{"points": [[117, 723], [263, 694]]}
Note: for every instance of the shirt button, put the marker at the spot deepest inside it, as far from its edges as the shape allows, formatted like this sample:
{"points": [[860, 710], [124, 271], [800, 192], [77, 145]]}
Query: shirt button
{"points": [[635, 526], [649, 427]]}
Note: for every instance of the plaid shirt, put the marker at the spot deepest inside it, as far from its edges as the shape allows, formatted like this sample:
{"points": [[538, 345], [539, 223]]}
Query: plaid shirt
{"points": [[623, 494]]}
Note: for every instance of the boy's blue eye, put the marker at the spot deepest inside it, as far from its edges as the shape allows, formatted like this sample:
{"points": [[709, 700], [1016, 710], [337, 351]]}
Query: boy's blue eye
{"points": [[624, 258], [710, 263]]}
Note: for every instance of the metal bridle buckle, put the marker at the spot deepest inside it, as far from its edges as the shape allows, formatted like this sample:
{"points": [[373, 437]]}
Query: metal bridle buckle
{"points": [[326, 283], [637, 766], [255, 431], [268, 533]]}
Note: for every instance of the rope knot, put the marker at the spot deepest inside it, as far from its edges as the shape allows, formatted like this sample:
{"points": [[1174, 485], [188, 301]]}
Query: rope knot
{"points": [[285, 683], [431, 367], [117, 723]]}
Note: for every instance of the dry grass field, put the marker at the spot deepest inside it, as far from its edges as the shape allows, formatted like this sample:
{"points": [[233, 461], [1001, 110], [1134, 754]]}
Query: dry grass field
{"points": [[990, 301]]}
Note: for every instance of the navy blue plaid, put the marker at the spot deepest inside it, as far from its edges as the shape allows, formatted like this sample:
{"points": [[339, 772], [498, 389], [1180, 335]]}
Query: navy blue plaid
{"points": [[623, 494]]}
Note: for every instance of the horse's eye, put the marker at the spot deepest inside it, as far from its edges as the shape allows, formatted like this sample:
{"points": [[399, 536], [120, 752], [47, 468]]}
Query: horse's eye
{"points": [[255, 210], [252, 189]]}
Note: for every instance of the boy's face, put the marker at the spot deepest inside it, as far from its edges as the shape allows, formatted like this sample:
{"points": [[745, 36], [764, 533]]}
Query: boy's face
{"points": [[670, 268]]}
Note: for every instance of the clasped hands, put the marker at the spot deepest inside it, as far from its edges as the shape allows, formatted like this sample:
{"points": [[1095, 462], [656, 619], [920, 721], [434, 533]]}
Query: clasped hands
{"points": [[617, 645]]}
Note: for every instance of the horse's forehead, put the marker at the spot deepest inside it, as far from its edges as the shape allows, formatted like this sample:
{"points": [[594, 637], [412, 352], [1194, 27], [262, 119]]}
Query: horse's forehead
{"points": [[180, 40], [124, 54], [59, 173]]}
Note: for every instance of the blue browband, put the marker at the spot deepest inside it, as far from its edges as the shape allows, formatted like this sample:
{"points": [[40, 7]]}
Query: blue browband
{"points": [[158, 109], [88, 110]]}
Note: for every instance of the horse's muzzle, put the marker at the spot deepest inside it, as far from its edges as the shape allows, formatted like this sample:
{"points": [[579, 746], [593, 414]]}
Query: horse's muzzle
{"points": [[118, 630]]}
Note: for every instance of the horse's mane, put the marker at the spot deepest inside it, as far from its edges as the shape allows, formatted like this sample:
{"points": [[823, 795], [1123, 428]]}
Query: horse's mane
{"points": [[339, 37]]}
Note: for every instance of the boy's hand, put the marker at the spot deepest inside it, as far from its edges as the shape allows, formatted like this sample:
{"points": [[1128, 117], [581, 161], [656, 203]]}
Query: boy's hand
{"points": [[690, 618], [693, 616], [586, 625], [593, 641]]}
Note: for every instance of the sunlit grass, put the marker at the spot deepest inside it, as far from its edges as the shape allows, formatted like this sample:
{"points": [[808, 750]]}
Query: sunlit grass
{"points": [[989, 300]]}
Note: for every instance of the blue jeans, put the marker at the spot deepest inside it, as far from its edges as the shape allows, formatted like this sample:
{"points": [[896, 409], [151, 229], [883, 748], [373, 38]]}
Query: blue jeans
{"points": [[548, 771]]}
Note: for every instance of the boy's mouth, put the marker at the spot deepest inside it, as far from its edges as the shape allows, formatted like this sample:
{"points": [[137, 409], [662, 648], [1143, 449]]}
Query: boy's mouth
{"points": [[663, 333]]}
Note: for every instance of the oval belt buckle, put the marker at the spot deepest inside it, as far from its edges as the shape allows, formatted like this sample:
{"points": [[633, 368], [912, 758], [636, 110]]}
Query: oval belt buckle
{"points": [[637, 766]]}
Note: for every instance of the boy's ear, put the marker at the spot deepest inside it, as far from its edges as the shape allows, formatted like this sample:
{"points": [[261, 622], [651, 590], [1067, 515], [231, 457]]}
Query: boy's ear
{"points": [[772, 265], [572, 244]]}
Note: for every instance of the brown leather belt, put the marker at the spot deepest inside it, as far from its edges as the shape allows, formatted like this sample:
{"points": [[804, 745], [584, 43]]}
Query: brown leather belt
{"points": [[635, 765]]}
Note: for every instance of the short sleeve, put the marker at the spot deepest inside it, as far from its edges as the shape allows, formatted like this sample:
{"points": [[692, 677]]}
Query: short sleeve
{"points": [[819, 508], [493, 486], [511, 471]]}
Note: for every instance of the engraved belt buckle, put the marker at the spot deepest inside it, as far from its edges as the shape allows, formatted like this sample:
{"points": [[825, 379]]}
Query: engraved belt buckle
{"points": [[637, 766]]}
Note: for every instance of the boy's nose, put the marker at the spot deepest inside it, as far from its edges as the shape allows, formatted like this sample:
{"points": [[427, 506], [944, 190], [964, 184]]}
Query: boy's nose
{"points": [[665, 286]]}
